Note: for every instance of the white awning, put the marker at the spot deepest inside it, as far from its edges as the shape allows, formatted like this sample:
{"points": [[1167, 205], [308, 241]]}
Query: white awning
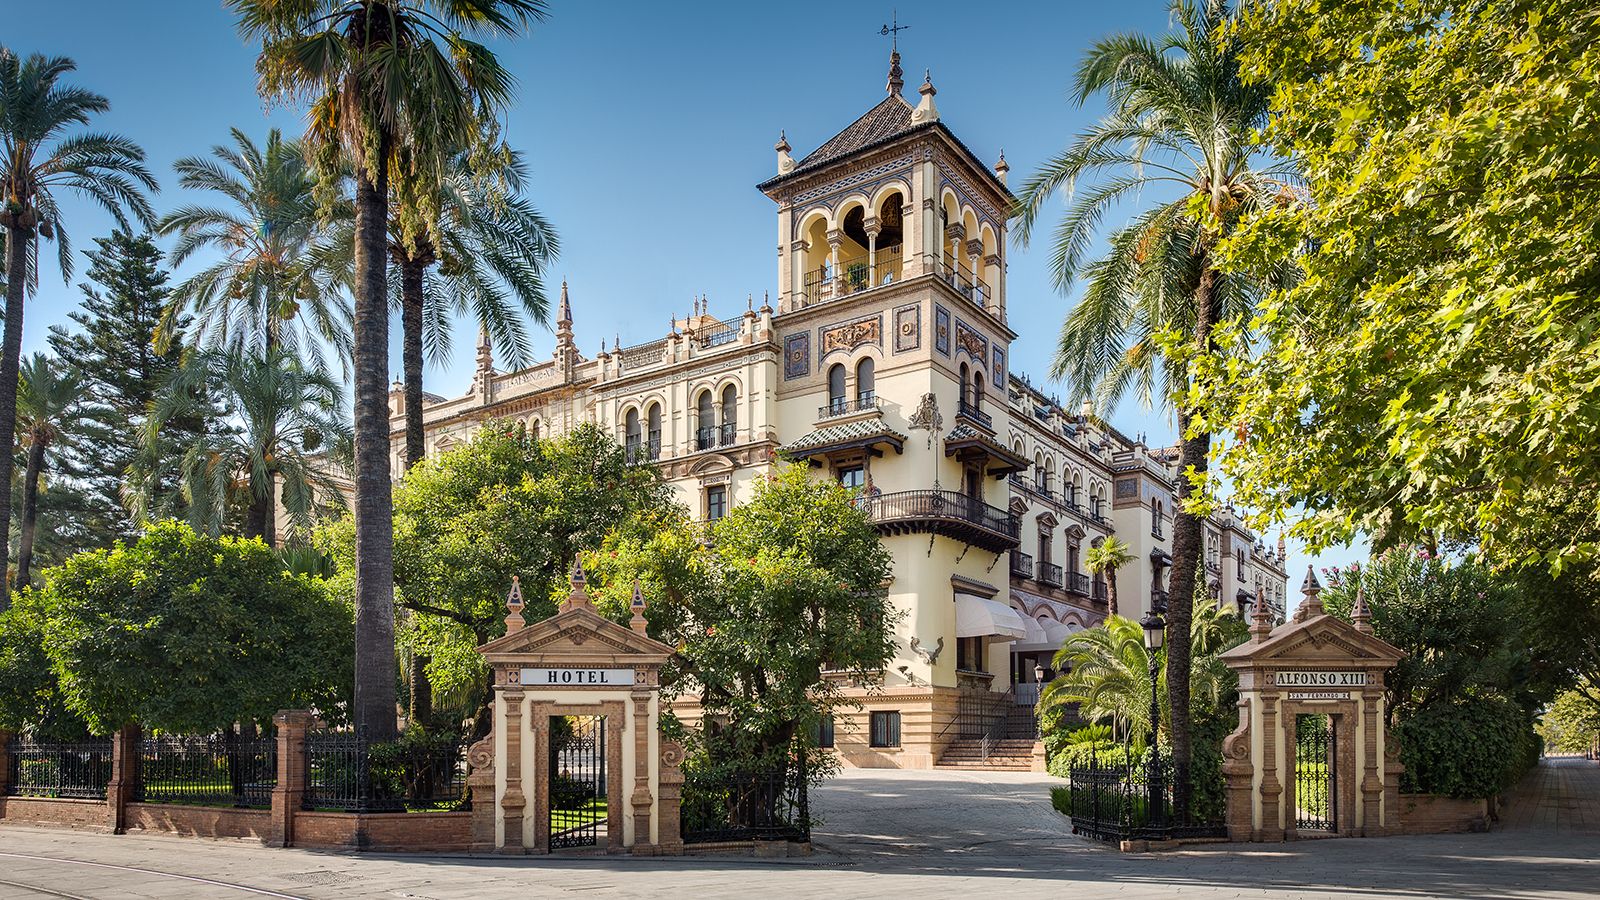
{"points": [[1046, 635], [981, 617]]}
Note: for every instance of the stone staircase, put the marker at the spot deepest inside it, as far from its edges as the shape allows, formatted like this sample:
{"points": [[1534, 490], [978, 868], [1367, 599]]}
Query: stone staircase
{"points": [[1010, 748], [1004, 755]]}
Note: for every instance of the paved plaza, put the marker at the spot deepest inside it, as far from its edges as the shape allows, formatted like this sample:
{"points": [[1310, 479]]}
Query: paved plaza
{"points": [[887, 834]]}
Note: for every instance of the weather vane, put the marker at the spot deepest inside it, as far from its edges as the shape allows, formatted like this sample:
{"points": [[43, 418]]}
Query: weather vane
{"points": [[893, 34]]}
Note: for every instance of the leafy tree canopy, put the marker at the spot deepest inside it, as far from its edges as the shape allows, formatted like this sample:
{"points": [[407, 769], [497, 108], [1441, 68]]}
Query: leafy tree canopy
{"points": [[504, 504], [759, 605], [1435, 371], [183, 632]]}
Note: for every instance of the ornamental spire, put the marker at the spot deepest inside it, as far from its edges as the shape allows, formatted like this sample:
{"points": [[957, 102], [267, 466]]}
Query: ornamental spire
{"points": [[564, 314], [896, 76]]}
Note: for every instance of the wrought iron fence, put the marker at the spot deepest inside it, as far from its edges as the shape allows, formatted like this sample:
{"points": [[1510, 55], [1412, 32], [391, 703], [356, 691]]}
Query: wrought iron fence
{"points": [[1121, 795], [719, 333], [211, 770], [77, 770], [741, 804], [347, 772]]}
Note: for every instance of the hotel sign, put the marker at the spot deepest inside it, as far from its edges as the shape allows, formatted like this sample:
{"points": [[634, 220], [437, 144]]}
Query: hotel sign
{"points": [[1320, 679], [577, 677]]}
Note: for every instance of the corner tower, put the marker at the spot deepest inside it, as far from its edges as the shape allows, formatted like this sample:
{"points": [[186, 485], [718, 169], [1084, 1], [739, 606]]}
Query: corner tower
{"points": [[892, 379]]}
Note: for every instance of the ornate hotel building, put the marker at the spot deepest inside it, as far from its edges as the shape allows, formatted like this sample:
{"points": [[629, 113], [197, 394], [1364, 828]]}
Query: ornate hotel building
{"points": [[883, 364]]}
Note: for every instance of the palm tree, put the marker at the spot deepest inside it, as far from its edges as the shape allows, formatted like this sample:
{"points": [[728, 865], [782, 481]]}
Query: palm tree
{"points": [[1180, 126], [492, 251], [289, 427], [1106, 671], [48, 409], [1104, 558], [386, 75], [267, 278], [40, 160]]}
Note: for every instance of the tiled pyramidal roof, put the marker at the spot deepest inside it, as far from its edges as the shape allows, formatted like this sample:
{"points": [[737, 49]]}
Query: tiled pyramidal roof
{"points": [[889, 118]]}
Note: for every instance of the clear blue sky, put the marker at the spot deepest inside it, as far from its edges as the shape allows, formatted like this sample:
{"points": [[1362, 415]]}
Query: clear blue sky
{"points": [[647, 127]]}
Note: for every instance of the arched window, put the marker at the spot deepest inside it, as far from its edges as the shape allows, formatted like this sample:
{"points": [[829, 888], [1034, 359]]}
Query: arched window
{"points": [[653, 424], [534, 429], [730, 413], [705, 422], [977, 389], [836, 395], [966, 374], [632, 437], [866, 381]]}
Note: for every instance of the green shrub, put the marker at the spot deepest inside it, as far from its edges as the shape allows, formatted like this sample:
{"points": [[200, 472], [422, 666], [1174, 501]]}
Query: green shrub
{"points": [[1469, 749], [1061, 799]]}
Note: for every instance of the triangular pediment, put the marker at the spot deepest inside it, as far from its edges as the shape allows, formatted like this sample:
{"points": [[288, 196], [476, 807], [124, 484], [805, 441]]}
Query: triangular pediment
{"points": [[1319, 639], [576, 633]]}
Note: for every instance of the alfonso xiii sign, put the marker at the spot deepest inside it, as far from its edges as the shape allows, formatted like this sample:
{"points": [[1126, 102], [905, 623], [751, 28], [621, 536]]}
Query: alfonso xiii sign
{"points": [[1321, 679]]}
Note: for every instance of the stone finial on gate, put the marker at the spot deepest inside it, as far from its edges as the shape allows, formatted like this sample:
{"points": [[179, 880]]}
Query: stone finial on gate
{"points": [[578, 598], [638, 623], [1311, 589], [514, 606], [1360, 613]]}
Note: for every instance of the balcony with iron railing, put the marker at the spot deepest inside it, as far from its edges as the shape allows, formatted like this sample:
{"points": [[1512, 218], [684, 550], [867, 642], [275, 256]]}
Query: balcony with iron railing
{"points": [[964, 283], [1078, 583], [710, 437], [949, 513], [1049, 573], [1021, 564], [718, 334], [968, 410], [841, 407], [1031, 487], [642, 451], [1098, 590], [853, 275]]}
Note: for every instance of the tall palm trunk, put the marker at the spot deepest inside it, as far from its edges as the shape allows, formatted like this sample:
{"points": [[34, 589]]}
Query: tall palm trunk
{"points": [[1186, 552], [261, 518], [411, 301], [1111, 591], [30, 510], [374, 505], [18, 237]]}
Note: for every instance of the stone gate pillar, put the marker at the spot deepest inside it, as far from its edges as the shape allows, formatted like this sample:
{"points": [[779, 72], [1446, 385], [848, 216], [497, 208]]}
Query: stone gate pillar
{"points": [[1314, 664], [575, 663]]}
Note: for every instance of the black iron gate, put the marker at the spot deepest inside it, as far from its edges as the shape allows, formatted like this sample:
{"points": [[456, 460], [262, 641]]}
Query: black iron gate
{"points": [[1316, 776], [577, 775]]}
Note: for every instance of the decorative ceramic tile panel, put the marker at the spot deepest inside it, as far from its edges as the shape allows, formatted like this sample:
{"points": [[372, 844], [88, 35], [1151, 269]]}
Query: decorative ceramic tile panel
{"points": [[797, 355], [907, 328], [941, 329]]}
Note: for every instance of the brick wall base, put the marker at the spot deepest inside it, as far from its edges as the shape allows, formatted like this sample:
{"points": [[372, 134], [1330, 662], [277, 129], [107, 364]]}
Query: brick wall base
{"points": [[1432, 814], [89, 815], [441, 832], [199, 821]]}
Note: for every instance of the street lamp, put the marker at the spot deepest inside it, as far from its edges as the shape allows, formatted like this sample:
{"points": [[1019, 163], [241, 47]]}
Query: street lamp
{"points": [[1155, 635]]}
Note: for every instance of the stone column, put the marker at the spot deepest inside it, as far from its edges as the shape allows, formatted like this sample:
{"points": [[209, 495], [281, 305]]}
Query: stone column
{"points": [[1271, 787], [835, 241], [668, 805], [872, 228], [124, 776], [955, 232], [641, 799], [513, 802], [290, 790], [1370, 821], [975, 253], [797, 278]]}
